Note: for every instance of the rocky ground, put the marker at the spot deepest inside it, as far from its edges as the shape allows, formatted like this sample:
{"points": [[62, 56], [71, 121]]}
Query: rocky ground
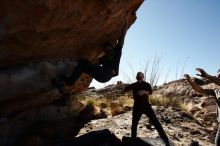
{"points": [[180, 127], [196, 121], [109, 108]]}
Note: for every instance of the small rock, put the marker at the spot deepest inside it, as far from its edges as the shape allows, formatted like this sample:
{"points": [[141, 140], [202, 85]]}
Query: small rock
{"points": [[103, 105], [195, 132]]}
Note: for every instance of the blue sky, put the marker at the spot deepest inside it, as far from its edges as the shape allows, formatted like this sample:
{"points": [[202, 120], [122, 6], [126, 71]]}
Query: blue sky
{"points": [[179, 32]]}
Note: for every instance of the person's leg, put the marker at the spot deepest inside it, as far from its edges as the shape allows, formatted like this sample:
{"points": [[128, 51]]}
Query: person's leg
{"points": [[153, 118], [136, 115], [59, 85], [82, 66], [100, 73], [104, 74], [217, 138]]}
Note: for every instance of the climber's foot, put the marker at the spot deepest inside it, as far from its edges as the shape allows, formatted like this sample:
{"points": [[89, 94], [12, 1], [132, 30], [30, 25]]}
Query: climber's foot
{"points": [[59, 85]]}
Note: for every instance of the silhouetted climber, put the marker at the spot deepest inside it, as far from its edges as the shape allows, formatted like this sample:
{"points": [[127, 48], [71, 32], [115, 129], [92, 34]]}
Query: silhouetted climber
{"points": [[141, 91], [214, 93], [104, 70]]}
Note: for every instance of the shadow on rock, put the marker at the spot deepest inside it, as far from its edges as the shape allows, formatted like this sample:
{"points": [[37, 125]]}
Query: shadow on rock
{"points": [[127, 141], [102, 138], [96, 138]]}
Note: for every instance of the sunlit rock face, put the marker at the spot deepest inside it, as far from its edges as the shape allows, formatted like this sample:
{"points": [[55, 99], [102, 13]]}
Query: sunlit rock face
{"points": [[42, 39]]}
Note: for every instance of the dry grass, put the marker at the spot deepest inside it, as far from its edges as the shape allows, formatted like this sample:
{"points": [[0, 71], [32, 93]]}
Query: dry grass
{"points": [[91, 102], [106, 103], [169, 101], [126, 100]]}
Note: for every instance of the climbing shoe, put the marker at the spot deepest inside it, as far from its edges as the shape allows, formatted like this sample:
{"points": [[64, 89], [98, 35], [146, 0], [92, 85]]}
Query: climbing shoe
{"points": [[59, 85]]}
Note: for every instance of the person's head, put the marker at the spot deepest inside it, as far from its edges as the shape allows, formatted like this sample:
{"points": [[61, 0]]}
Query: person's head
{"points": [[140, 76], [218, 73], [107, 47]]}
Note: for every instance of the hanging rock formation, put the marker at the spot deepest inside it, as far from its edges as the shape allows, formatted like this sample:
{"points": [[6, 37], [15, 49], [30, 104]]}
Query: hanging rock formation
{"points": [[42, 39]]}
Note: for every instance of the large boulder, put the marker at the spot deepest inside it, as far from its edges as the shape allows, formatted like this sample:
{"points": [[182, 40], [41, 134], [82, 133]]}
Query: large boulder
{"points": [[40, 40]]}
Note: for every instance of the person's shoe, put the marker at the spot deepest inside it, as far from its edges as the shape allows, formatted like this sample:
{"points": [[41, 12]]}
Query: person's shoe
{"points": [[194, 143], [66, 80], [59, 85]]}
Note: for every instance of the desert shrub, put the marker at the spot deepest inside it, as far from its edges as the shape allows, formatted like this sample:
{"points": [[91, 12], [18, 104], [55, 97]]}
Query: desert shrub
{"points": [[168, 101], [90, 102], [122, 100], [151, 69], [80, 97], [110, 95]]}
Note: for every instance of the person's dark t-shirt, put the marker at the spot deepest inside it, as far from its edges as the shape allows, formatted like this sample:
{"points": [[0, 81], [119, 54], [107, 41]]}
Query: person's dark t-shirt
{"points": [[112, 59], [140, 100]]}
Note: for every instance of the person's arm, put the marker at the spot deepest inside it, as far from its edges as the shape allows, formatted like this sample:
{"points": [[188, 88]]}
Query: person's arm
{"points": [[217, 95], [124, 87], [143, 92], [214, 79], [147, 91], [128, 87], [203, 74], [197, 88]]}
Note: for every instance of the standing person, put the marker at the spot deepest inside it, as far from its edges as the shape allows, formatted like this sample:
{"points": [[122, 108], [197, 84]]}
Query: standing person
{"points": [[104, 70], [141, 91]]}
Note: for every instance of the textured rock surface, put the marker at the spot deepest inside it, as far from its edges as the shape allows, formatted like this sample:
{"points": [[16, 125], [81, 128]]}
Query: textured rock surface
{"points": [[179, 127], [38, 30], [198, 122], [38, 38], [60, 121]]}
